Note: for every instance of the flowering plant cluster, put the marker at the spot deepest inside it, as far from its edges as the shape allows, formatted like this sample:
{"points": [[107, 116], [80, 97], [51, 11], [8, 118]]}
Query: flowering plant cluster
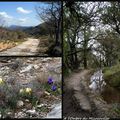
{"points": [[26, 90], [50, 82], [1, 81]]}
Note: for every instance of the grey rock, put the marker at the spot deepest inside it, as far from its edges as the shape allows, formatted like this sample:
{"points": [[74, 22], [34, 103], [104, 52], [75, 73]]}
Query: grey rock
{"points": [[97, 82], [55, 112], [20, 115], [32, 112], [41, 105], [24, 109], [9, 115], [36, 66], [5, 59], [46, 59], [15, 65], [11, 80], [26, 69], [20, 103]]}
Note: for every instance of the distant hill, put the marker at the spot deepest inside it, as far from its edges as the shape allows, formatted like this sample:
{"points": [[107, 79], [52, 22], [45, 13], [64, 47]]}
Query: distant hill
{"points": [[38, 30], [17, 27]]}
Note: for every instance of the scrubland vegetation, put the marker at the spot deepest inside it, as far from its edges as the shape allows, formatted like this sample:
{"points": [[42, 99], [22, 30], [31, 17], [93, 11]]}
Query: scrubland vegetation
{"points": [[9, 38]]}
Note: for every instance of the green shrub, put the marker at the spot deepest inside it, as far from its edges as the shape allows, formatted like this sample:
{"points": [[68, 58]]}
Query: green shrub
{"points": [[111, 70], [112, 75], [30, 96], [12, 102]]}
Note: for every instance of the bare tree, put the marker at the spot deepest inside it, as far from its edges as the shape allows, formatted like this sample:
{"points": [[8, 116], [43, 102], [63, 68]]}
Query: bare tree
{"points": [[52, 17]]}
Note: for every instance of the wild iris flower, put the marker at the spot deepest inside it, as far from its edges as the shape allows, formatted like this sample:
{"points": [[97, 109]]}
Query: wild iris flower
{"points": [[50, 80], [54, 88]]}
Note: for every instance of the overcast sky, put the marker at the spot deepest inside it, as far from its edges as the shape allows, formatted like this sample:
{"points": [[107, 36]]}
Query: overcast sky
{"points": [[20, 13]]}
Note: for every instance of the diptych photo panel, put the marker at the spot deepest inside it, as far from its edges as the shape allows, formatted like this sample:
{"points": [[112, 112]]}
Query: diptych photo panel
{"points": [[60, 59], [91, 60], [30, 59]]}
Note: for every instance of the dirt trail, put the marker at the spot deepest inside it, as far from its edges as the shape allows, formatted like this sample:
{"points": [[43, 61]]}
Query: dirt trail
{"points": [[29, 47], [72, 82], [77, 85], [74, 79]]}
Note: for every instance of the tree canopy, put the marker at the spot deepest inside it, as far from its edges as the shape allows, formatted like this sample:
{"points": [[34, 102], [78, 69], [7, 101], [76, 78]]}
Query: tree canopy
{"points": [[91, 34]]}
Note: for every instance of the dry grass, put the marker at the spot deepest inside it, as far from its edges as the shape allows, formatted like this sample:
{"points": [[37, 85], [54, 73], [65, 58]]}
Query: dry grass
{"points": [[42, 78], [9, 44], [4, 46]]}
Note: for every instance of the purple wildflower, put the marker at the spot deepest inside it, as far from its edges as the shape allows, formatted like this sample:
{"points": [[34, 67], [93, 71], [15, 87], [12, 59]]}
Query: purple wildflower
{"points": [[54, 88], [50, 80]]}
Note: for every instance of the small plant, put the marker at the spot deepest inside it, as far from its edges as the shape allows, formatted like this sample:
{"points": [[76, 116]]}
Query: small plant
{"points": [[34, 100], [28, 90], [9, 94], [12, 101], [52, 87], [50, 81], [25, 93], [4, 111], [1, 81]]}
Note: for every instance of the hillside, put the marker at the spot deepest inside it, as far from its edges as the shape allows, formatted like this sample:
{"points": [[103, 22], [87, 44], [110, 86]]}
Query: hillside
{"points": [[16, 27], [38, 30]]}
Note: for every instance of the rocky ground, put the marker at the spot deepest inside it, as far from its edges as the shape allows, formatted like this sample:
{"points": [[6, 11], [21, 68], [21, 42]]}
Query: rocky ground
{"points": [[79, 101], [24, 88]]}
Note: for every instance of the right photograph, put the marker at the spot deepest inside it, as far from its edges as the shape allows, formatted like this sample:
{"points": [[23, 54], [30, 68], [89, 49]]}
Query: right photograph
{"points": [[91, 60]]}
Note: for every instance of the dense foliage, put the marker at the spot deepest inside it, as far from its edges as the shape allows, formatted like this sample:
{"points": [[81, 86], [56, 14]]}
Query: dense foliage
{"points": [[6, 34], [91, 34]]}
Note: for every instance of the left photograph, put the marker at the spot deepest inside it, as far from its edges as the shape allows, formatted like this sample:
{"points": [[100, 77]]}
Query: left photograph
{"points": [[30, 28], [30, 87]]}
